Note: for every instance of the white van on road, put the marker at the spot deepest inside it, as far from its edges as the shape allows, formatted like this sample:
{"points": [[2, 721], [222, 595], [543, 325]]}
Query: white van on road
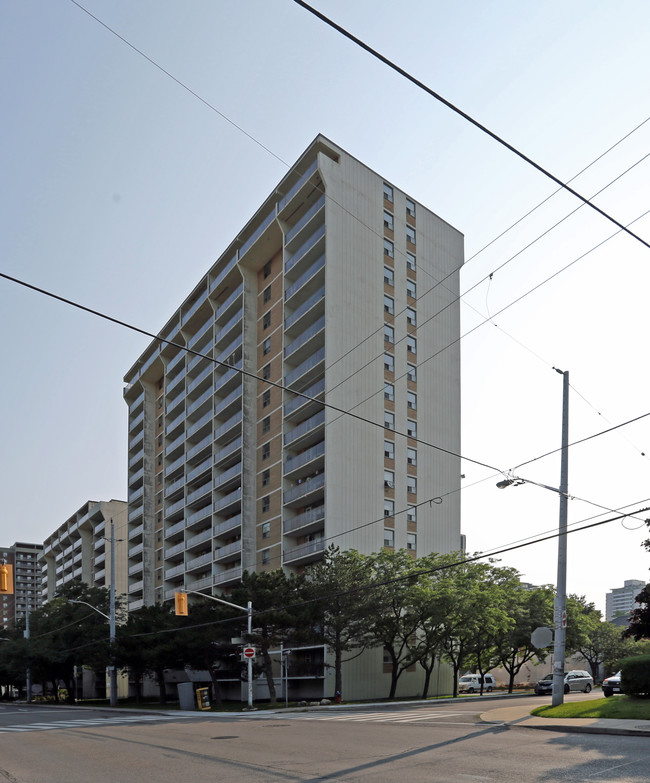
{"points": [[471, 683]]}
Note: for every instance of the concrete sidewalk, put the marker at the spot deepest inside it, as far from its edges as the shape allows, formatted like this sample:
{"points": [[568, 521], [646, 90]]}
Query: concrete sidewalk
{"points": [[520, 717]]}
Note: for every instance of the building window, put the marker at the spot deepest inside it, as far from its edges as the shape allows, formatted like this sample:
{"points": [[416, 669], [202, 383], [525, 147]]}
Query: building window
{"points": [[266, 372], [411, 372], [412, 541], [266, 320], [389, 362], [266, 477], [389, 392], [389, 537], [388, 221], [412, 400], [266, 398], [411, 316], [389, 508], [389, 248], [411, 456], [266, 503], [410, 235], [410, 207], [266, 346], [388, 192], [389, 276], [389, 449], [411, 344], [411, 514], [266, 451], [411, 428], [412, 485], [267, 294], [411, 289], [389, 305], [266, 557], [389, 420], [267, 269], [266, 530], [410, 261], [266, 424], [389, 479], [389, 334]]}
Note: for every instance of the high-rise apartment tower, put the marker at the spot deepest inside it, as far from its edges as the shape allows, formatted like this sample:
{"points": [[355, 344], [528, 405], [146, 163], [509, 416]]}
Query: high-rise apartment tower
{"points": [[340, 287]]}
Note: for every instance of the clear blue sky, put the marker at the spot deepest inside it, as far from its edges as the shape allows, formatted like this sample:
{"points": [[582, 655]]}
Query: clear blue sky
{"points": [[120, 189]]}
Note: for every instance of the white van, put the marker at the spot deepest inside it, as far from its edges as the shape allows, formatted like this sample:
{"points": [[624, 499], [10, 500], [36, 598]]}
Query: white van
{"points": [[471, 683]]}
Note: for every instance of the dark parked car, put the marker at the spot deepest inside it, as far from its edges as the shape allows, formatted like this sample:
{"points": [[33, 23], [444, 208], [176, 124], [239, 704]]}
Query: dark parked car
{"points": [[575, 680], [612, 685]]}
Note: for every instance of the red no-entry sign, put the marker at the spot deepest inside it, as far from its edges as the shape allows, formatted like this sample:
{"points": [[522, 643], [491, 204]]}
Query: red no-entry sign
{"points": [[249, 652]]}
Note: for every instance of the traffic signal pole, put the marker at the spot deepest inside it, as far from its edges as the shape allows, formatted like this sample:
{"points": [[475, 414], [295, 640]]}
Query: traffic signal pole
{"points": [[249, 611]]}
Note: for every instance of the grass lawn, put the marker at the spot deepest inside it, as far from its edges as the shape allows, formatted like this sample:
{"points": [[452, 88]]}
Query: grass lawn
{"points": [[624, 707]]}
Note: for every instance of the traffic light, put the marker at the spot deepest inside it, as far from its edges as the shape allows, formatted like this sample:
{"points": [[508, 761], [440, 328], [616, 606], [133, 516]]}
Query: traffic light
{"points": [[6, 578], [180, 604]]}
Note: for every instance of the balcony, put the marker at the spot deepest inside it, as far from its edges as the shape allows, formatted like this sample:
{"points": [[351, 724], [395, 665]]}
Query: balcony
{"points": [[200, 469], [199, 562], [199, 493], [300, 348], [309, 215], [172, 449], [174, 361], [201, 299], [304, 460], [136, 421], [139, 400], [175, 550], [175, 424], [203, 377], [230, 451], [174, 508], [305, 373], [226, 330], [257, 233], [310, 277], [200, 332], [175, 529], [135, 440], [225, 307], [233, 474], [226, 527], [230, 265], [194, 405], [228, 577], [136, 513], [136, 587], [136, 568], [230, 350], [304, 553], [175, 381], [303, 252], [136, 495], [306, 492], [134, 478], [174, 487], [304, 179], [198, 539], [99, 559], [203, 445], [304, 308], [170, 573], [228, 553], [136, 550], [198, 516], [136, 532], [228, 403], [307, 522], [228, 503], [174, 466], [301, 405], [195, 360], [303, 429], [229, 379], [227, 429], [199, 584], [136, 459], [195, 426]]}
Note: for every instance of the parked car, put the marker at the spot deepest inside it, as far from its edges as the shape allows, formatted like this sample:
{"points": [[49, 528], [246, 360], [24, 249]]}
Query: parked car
{"points": [[471, 683], [575, 680], [612, 685]]}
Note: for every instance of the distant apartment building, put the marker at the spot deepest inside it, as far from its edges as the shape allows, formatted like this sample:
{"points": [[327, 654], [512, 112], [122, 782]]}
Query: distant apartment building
{"points": [[341, 290], [80, 550], [620, 601], [23, 558]]}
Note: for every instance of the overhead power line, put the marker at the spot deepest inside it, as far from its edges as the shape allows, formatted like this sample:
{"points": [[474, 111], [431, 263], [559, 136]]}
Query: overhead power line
{"points": [[467, 117]]}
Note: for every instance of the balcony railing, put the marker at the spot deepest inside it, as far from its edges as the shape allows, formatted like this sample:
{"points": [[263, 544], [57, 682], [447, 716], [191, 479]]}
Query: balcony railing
{"points": [[199, 561], [228, 450], [304, 248], [228, 327], [198, 516], [228, 400], [291, 377], [223, 528], [304, 278], [228, 550], [198, 401], [227, 475], [202, 444], [196, 425], [302, 181], [200, 468], [227, 500], [304, 308], [294, 462], [298, 552], [257, 233], [201, 299], [306, 488], [200, 377], [200, 332], [302, 222], [198, 493], [313, 391], [200, 538], [138, 420], [226, 304], [227, 426], [230, 575], [230, 265], [303, 338], [306, 426], [314, 515]]}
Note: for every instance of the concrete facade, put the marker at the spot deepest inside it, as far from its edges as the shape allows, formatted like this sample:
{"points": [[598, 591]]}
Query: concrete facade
{"points": [[620, 601], [23, 558]]}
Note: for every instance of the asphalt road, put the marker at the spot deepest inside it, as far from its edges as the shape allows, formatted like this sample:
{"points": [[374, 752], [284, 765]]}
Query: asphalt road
{"points": [[412, 744]]}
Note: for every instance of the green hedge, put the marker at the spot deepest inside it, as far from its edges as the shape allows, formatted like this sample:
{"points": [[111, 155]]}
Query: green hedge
{"points": [[635, 675]]}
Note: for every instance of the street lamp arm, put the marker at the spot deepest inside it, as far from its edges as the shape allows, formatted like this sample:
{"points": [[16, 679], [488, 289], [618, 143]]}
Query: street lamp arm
{"points": [[85, 603], [219, 600]]}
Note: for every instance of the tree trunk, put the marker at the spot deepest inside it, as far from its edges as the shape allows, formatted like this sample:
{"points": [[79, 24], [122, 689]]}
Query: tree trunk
{"points": [[428, 670], [338, 667], [268, 671], [216, 688]]}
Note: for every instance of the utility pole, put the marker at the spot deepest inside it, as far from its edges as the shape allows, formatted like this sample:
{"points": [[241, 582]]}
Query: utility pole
{"points": [[560, 594], [113, 670], [28, 678]]}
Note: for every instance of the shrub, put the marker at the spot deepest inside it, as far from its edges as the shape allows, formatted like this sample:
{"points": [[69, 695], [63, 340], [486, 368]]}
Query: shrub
{"points": [[635, 675]]}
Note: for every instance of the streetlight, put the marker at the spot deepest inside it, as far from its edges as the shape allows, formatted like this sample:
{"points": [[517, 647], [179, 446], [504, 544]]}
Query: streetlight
{"points": [[111, 619], [560, 590]]}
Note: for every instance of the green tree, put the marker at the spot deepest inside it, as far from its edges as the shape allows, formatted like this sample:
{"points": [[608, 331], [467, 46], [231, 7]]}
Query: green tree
{"points": [[603, 646], [529, 609], [639, 627], [582, 617], [341, 601]]}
